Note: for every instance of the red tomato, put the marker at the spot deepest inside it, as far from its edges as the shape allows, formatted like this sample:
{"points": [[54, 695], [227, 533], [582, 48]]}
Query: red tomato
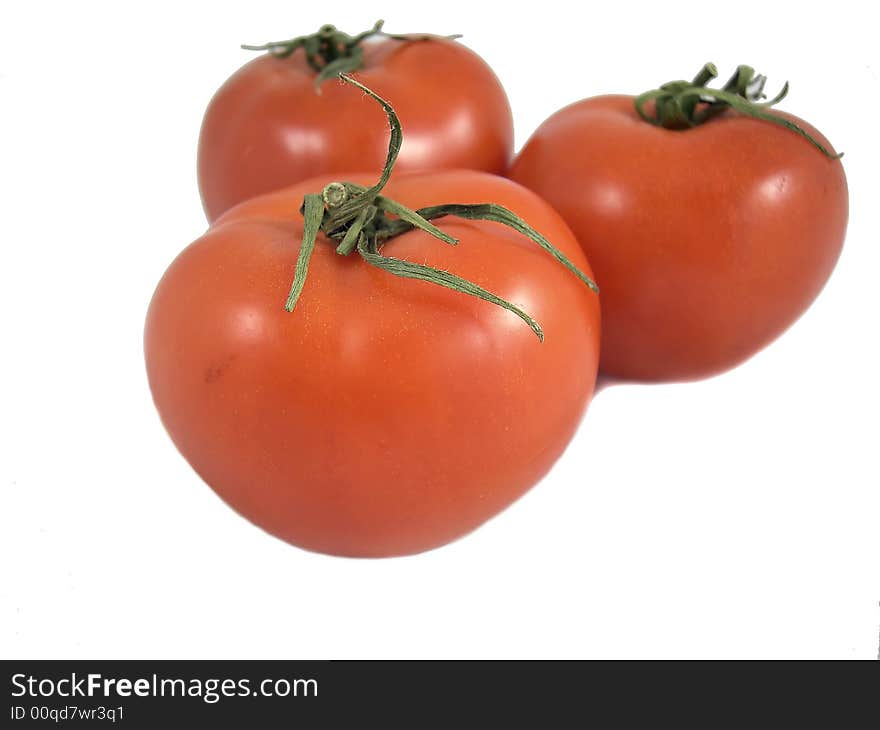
{"points": [[267, 128], [707, 243], [383, 416]]}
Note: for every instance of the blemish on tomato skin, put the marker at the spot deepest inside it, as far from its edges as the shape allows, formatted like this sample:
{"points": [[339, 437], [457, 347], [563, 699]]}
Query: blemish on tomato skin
{"points": [[217, 371], [774, 189]]}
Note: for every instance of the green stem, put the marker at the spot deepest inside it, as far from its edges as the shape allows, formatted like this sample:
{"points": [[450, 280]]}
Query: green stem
{"points": [[357, 217], [705, 75], [682, 104]]}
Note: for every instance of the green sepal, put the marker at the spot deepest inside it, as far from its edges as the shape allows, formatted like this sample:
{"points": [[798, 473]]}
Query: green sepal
{"points": [[313, 213], [683, 104], [410, 270], [357, 217]]}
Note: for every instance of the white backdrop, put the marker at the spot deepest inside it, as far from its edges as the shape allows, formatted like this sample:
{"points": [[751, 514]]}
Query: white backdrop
{"points": [[735, 517]]}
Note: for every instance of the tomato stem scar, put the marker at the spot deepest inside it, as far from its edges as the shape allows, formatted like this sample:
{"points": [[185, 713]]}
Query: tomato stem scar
{"points": [[357, 217], [685, 104]]}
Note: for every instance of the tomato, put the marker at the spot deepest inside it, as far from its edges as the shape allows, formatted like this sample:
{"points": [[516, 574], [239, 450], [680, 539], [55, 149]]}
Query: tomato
{"points": [[383, 416], [707, 242], [267, 127]]}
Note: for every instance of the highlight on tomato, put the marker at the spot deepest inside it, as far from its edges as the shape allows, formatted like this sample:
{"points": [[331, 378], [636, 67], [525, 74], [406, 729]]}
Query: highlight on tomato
{"points": [[275, 122], [711, 221], [376, 369]]}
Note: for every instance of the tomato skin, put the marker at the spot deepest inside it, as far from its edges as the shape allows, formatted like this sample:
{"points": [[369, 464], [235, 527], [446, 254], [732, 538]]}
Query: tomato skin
{"points": [[707, 243], [267, 128], [383, 416]]}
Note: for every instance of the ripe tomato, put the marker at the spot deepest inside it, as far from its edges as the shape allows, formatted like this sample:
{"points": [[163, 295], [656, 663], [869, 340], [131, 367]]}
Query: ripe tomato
{"points": [[267, 127], [707, 242], [383, 416]]}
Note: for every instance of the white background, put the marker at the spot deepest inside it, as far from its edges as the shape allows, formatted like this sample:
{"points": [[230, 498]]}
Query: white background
{"points": [[735, 517]]}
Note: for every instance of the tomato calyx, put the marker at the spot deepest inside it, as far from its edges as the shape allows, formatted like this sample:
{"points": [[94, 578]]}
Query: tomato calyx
{"points": [[357, 218], [685, 104], [330, 51]]}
